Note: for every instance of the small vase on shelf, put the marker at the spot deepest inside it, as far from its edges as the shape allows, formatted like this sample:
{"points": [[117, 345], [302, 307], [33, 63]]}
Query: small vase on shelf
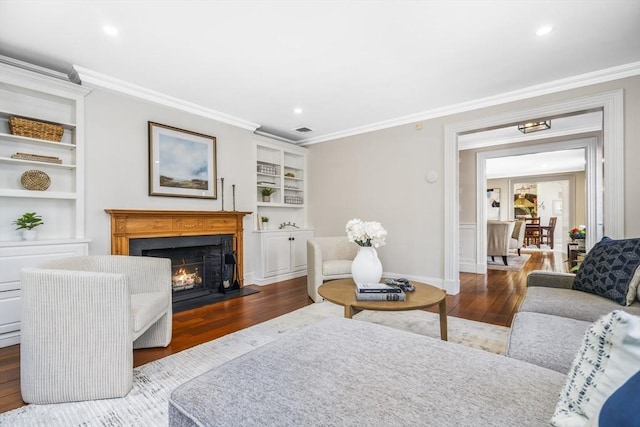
{"points": [[29, 234], [366, 266]]}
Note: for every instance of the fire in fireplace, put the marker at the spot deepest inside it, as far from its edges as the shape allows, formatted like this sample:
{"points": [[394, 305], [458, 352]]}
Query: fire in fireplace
{"points": [[199, 264]]}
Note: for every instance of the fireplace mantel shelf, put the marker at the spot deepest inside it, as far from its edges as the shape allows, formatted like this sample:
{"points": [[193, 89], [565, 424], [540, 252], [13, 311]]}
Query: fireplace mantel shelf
{"points": [[140, 224]]}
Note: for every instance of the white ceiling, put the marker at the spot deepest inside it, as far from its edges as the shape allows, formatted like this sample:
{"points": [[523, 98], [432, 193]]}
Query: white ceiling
{"points": [[350, 66], [554, 162]]}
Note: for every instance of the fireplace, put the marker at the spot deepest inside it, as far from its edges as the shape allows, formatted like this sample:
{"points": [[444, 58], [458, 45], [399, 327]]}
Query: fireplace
{"points": [[200, 265], [209, 241]]}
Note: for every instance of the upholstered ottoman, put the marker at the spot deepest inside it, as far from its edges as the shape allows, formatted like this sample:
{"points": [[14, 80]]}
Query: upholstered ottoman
{"points": [[343, 372]]}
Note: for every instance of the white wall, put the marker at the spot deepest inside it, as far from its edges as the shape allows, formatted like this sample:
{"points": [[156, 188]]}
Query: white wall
{"points": [[117, 163]]}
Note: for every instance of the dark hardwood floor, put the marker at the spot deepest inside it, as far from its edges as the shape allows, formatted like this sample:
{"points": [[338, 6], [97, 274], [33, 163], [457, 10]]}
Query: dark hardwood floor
{"points": [[492, 298]]}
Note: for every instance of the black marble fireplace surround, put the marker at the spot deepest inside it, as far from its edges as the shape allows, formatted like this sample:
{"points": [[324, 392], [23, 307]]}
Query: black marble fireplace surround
{"points": [[201, 266]]}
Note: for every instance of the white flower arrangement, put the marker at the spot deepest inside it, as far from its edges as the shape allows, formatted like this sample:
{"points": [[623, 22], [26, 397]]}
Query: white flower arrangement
{"points": [[369, 233]]}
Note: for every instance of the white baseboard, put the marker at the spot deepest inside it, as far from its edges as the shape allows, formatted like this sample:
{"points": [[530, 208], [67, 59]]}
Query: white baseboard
{"points": [[274, 279]]}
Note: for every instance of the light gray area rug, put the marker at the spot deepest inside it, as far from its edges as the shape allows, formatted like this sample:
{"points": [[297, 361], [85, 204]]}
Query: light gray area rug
{"points": [[147, 403], [515, 262]]}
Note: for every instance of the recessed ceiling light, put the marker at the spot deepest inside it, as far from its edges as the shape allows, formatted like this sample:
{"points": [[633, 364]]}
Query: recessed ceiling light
{"points": [[110, 30], [543, 31], [297, 110]]}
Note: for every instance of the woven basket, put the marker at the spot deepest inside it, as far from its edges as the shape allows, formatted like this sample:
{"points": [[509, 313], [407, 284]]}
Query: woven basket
{"points": [[35, 180], [34, 129]]}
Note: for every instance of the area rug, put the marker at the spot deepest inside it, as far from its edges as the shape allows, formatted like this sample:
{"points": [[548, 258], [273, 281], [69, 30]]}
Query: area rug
{"points": [[147, 403], [515, 262]]}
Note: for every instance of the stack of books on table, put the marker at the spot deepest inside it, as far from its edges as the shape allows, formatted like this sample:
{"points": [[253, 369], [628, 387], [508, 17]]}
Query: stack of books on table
{"points": [[379, 292]]}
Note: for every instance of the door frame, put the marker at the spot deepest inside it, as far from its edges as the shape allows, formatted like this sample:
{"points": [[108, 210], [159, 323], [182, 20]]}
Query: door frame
{"points": [[593, 197], [612, 106]]}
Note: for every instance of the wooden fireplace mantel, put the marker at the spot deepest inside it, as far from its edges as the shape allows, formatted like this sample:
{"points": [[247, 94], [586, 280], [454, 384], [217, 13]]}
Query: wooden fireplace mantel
{"points": [[141, 224]]}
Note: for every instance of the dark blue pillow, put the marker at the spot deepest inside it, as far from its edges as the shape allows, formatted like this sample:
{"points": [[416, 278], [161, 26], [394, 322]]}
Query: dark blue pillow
{"points": [[618, 410], [608, 269]]}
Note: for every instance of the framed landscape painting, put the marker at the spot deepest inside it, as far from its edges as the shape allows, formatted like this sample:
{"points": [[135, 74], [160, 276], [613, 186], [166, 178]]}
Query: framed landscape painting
{"points": [[181, 163]]}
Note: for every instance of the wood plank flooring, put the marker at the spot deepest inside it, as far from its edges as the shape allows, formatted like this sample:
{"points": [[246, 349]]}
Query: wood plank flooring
{"points": [[492, 298]]}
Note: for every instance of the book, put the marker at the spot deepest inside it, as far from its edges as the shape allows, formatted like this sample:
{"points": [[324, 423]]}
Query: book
{"points": [[377, 288], [381, 296]]}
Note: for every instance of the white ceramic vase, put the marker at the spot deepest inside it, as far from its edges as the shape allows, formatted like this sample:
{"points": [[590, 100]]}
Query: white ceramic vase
{"points": [[366, 267], [30, 234]]}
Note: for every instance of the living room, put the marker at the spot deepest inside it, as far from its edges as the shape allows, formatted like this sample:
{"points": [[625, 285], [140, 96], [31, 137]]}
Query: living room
{"points": [[379, 173]]}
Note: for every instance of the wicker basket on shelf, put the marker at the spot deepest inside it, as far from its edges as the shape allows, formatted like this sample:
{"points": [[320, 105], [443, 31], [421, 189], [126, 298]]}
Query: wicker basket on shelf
{"points": [[34, 129]]}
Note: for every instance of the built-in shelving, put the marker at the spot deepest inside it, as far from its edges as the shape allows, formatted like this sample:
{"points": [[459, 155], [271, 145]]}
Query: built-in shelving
{"points": [[41, 98]]}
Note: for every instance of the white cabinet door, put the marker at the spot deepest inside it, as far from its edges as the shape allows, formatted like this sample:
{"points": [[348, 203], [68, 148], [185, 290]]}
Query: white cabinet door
{"points": [[277, 253], [299, 249]]}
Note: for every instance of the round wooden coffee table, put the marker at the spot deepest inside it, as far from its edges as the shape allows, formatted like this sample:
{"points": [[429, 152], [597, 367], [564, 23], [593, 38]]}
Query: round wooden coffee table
{"points": [[342, 292]]}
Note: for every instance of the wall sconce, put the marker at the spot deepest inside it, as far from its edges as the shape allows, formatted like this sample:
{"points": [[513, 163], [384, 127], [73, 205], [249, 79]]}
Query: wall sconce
{"points": [[534, 126]]}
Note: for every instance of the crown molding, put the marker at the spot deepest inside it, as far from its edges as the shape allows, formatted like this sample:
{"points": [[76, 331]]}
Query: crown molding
{"points": [[100, 80], [582, 80]]}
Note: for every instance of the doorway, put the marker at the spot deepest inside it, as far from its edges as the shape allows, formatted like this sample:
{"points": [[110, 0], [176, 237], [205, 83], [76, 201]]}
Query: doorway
{"points": [[611, 105]]}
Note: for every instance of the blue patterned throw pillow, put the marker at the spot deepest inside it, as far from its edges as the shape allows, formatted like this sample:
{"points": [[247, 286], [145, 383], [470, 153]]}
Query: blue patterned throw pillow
{"points": [[608, 269]]}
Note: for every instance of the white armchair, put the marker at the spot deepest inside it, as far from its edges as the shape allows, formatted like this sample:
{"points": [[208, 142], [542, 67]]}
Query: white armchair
{"points": [[328, 258], [499, 239], [81, 319]]}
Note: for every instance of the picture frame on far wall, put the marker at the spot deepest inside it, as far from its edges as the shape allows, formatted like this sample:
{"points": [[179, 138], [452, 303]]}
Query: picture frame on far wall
{"points": [[181, 163], [493, 204]]}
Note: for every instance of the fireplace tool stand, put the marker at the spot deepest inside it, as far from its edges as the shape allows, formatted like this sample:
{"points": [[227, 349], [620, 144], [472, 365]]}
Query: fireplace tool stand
{"points": [[230, 284]]}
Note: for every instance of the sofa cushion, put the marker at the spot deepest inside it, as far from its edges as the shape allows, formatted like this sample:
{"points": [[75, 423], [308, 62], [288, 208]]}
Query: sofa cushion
{"points": [[546, 340], [146, 308], [608, 357], [343, 372], [336, 266], [569, 303], [608, 270]]}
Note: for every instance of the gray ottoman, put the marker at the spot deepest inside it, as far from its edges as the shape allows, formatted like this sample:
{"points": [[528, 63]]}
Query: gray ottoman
{"points": [[343, 372]]}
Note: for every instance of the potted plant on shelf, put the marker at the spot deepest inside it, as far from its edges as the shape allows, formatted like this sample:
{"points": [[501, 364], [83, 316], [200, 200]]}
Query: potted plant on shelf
{"points": [[28, 222], [266, 193], [265, 222]]}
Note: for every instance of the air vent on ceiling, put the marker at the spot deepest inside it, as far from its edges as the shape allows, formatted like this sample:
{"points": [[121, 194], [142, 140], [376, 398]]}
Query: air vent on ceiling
{"points": [[303, 129]]}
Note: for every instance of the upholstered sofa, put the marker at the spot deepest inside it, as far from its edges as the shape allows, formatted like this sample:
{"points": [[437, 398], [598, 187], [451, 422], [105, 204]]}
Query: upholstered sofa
{"points": [[558, 307], [328, 258], [553, 317], [81, 319], [345, 372]]}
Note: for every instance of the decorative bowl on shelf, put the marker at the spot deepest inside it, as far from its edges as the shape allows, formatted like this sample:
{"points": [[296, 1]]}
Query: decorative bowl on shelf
{"points": [[35, 180]]}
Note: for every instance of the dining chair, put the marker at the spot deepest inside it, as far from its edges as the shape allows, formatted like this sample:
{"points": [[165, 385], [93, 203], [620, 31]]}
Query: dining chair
{"points": [[532, 232], [547, 231]]}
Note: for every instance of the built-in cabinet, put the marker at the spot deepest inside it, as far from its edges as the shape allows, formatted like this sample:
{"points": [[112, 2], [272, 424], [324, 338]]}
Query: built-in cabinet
{"points": [[41, 98], [281, 243], [282, 254]]}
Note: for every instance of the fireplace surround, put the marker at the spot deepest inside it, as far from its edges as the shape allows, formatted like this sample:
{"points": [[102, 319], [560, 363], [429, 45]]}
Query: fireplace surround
{"points": [[210, 241]]}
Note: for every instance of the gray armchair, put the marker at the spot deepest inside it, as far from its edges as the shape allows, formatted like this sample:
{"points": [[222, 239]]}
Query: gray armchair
{"points": [[328, 258], [81, 319]]}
